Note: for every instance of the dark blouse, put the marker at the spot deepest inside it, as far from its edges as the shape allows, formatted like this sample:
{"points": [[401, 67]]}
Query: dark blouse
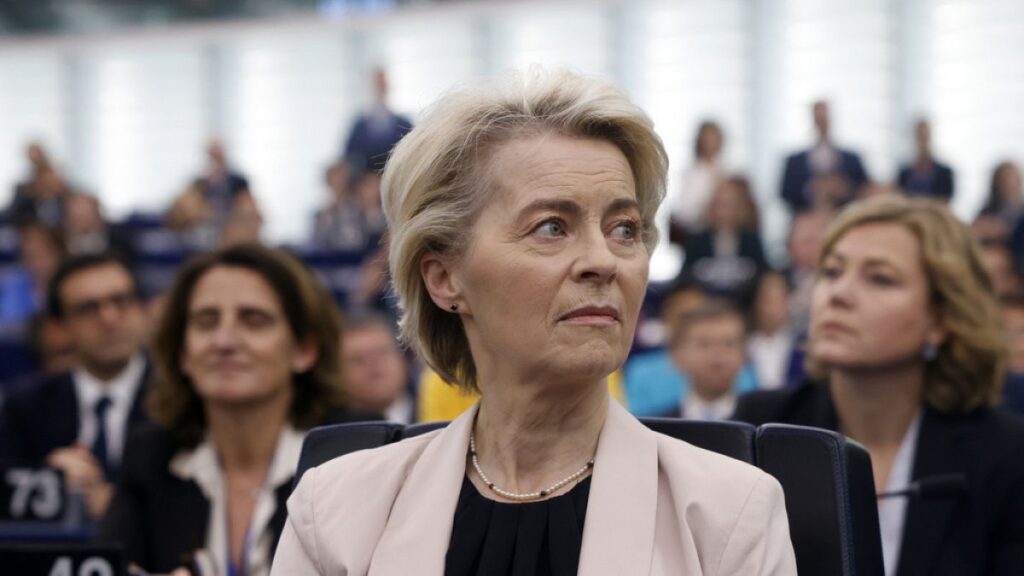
{"points": [[522, 539]]}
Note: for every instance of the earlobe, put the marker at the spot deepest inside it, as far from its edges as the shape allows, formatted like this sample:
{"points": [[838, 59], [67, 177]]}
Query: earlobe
{"points": [[441, 283], [305, 357]]}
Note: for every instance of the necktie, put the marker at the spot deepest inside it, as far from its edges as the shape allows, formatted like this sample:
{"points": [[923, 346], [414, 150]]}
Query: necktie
{"points": [[99, 444]]}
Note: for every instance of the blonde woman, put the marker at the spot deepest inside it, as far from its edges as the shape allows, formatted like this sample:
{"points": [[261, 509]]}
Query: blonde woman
{"points": [[521, 220], [906, 345]]}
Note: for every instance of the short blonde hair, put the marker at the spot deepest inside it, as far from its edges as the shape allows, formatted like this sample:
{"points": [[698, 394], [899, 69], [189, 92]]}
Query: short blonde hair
{"points": [[435, 183], [969, 368]]}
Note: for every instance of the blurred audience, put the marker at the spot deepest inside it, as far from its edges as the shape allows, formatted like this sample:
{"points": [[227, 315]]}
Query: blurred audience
{"points": [[221, 184], [806, 234], [77, 421], [244, 224], [1005, 196], [41, 196], [86, 231], [376, 131], [375, 372], [52, 344], [824, 176], [1013, 324], [726, 258], [246, 360], [998, 262], [192, 220], [925, 176], [708, 347], [23, 287], [653, 385], [688, 206], [771, 341]]}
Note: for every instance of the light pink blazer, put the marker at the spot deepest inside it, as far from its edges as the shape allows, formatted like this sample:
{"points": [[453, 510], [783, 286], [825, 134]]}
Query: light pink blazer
{"points": [[657, 506]]}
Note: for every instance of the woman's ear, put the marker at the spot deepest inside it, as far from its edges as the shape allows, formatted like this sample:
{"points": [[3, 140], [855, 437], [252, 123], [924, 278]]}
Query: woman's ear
{"points": [[441, 282], [306, 354]]}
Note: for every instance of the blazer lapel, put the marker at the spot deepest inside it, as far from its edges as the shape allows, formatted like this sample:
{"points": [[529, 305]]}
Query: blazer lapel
{"points": [[618, 534], [415, 540], [940, 450], [65, 404]]}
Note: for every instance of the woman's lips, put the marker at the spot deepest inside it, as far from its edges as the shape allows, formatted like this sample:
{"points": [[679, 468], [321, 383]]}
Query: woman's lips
{"points": [[592, 316]]}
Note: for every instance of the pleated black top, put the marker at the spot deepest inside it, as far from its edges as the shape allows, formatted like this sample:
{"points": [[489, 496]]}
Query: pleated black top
{"points": [[523, 539]]}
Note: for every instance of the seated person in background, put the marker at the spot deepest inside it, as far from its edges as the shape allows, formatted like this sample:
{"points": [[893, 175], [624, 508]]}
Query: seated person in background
{"points": [[375, 372], [908, 356], [727, 257], [521, 218], [77, 421], [246, 359], [23, 287], [806, 233], [926, 176], [771, 340], [1005, 200], [1013, 323], [652, 383], [52, 344], [339, 224], [191, 219], [87, 232], [708, 346], [244, 223], [998, 262], [41, 197]]}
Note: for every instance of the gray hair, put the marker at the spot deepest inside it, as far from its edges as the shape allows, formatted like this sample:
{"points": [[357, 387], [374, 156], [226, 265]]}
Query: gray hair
{"points": [[435, 184]]}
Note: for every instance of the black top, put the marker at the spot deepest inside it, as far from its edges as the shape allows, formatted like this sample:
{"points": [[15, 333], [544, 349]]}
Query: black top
{"points": [[522, 539]]}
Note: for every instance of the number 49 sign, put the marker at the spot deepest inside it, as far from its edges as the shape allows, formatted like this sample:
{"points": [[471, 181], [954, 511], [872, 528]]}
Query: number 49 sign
{"points": [[62, 559]]}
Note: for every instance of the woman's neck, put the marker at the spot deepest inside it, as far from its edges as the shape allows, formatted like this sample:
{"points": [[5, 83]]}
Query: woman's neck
{"points": [[529, 437], [877, 407], [245, 438]]}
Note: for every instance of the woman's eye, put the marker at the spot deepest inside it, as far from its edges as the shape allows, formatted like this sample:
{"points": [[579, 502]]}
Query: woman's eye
{"points": [[627, 230], [551, 228], [829, 272], [882, 280]]}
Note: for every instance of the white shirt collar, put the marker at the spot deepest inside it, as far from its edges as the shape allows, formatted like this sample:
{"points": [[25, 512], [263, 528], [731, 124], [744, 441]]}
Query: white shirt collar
{"points": [[400, 410], [892, 512], [202, 466], [696, 408], [120, 389]]}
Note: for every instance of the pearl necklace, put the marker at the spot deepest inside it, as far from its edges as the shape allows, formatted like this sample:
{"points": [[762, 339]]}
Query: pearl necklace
{"points": [[528, 495]]}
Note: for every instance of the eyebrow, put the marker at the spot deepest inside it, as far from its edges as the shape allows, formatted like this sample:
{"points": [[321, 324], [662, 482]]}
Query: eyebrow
{"points": [[571, 207], [872, 261]]}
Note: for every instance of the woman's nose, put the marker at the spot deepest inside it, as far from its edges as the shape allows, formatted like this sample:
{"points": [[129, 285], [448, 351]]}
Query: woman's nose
{"points": [[596, 261]]}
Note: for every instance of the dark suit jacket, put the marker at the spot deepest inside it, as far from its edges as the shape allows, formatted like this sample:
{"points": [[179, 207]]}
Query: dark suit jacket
{"points": [[980, 534], [798, 174], [701, 258], [43, 416], [159, 518], [940, 187], [369, 144]]}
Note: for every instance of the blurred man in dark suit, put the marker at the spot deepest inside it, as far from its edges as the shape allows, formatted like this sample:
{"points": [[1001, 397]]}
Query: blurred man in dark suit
{"points": [[926, 176], [376, 130], [823, 176], [77, 421]]}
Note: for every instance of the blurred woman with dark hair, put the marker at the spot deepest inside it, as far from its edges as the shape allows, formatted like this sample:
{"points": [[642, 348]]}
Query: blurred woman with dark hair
{"points": [[246, 358]]}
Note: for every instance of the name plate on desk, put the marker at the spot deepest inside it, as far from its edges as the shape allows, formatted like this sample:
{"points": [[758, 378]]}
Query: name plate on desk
{"points": [[28, 494], [62, 560]]}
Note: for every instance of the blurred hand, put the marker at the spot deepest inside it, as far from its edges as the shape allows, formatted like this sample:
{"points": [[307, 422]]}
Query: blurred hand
{"points": [[83, 474]]}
